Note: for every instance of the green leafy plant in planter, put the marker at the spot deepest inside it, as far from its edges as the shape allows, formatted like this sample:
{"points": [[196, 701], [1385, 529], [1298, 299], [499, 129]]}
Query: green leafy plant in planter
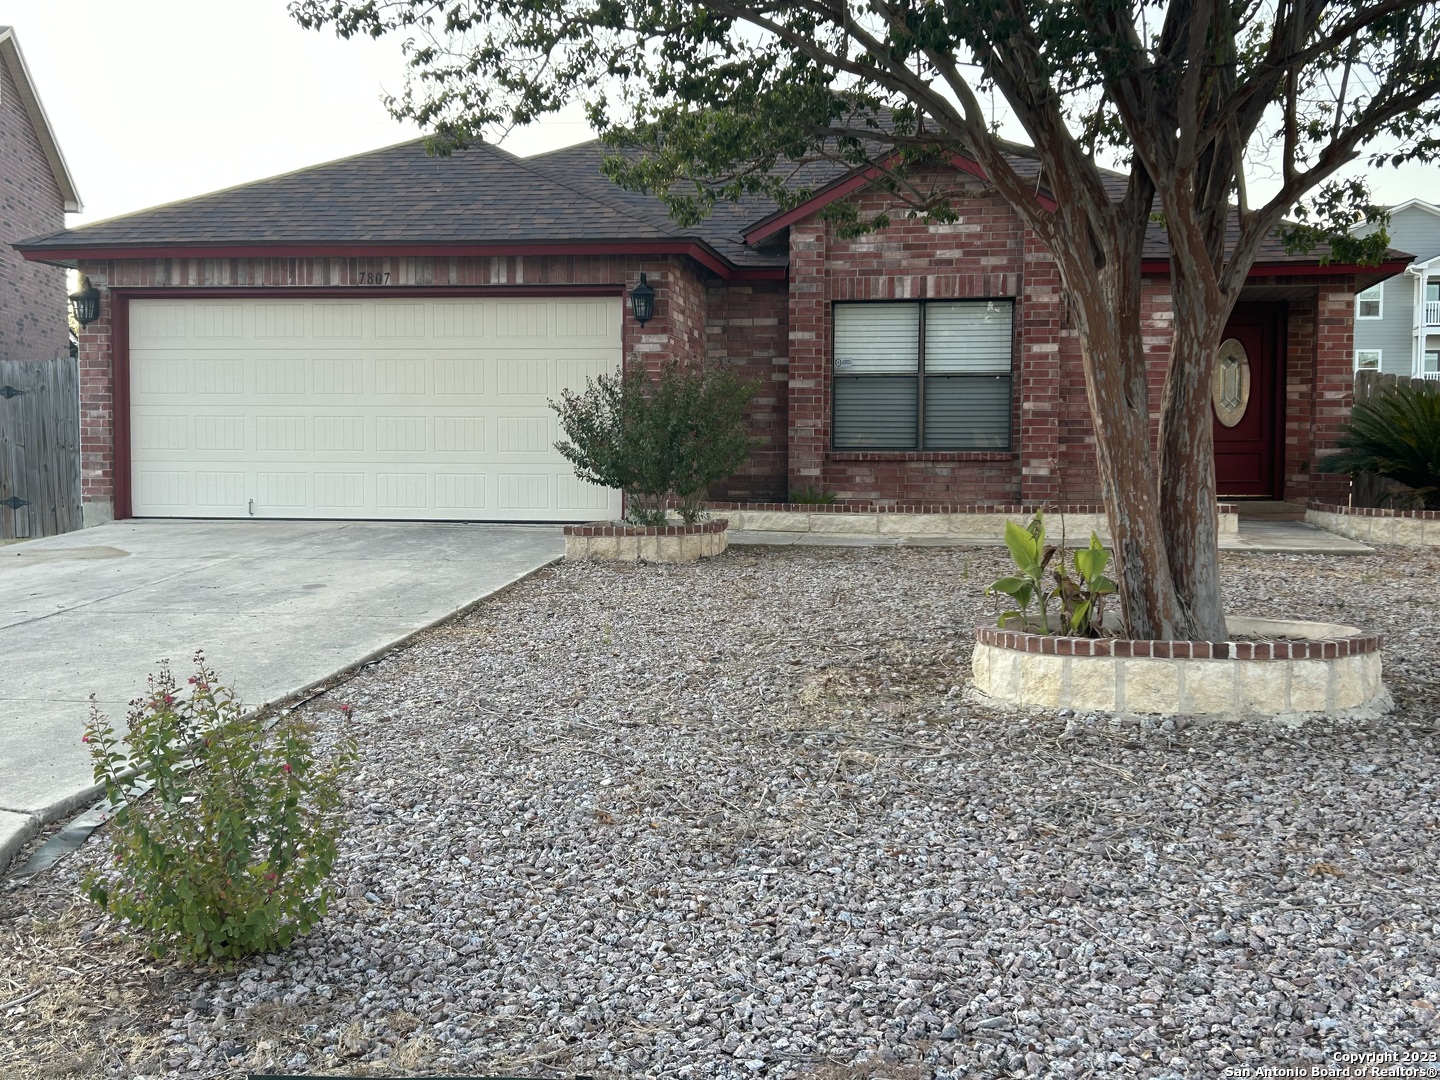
{"points": [[1080, 599], [224, 846], [1395, 433], [658, 440]]}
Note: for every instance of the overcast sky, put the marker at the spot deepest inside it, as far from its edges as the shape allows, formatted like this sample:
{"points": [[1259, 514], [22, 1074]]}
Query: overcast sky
{"points": [[157, 100]]}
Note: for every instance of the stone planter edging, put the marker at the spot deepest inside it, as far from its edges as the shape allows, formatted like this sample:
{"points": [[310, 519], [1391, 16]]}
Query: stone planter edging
{"points": [[973, 521], [607, 541], [1335, 671], [1378, 525]]}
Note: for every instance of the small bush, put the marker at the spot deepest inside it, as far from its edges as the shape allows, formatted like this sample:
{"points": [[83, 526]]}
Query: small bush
{"points": [[1395, 433], [228, 852], [810, 495], [657, 439]]}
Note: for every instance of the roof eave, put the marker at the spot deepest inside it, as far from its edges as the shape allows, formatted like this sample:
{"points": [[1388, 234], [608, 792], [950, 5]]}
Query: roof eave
{"points": [[1380, 271], [15, 60], [46, 250]]}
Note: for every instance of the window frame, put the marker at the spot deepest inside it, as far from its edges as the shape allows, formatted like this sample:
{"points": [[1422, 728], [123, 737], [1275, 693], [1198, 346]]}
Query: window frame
{"points": [[1425, 355], [1379, 357], [1378, 291], [920, 376]]}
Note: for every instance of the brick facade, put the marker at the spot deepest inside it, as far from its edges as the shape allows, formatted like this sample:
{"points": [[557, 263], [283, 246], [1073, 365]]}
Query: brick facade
{"points": [[778, 335], [746, 331], [33, 306], [685, 296]]}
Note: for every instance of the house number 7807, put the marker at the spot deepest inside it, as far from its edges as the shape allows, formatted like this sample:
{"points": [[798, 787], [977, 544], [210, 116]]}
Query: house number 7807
{"points": [[373, 279]]}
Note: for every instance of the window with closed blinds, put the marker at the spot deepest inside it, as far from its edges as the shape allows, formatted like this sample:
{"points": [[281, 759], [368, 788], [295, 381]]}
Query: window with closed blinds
{"points": [[933, 376]]}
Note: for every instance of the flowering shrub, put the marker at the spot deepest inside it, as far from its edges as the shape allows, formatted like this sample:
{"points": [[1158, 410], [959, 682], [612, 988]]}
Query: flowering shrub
{"points": [[229, 850]]}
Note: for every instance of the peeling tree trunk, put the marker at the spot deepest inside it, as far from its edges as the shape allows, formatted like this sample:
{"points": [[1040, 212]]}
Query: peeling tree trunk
{"points": [[1188, 511], [1113, 358]]}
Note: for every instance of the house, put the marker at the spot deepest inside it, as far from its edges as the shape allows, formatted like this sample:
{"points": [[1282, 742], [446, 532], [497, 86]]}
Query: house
{"points": [[378, 337], [36, 192], [1397, 321]]}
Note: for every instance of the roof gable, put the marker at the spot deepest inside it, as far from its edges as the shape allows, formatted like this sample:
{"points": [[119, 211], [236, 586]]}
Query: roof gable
{"points": [[13, 59], [1415, 204]]}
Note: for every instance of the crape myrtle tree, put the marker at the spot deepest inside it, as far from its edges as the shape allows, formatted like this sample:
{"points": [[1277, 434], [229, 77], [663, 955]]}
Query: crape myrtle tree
{"points": [[705, 100]]}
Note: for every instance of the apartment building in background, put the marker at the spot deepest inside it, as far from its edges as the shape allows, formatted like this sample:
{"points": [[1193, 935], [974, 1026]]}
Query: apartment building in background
{"points": [[1397, 321]]}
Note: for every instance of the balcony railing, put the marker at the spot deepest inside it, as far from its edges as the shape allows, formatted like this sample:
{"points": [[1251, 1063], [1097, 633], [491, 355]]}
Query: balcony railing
{"points": [[1432, 312], [1430, 375]]}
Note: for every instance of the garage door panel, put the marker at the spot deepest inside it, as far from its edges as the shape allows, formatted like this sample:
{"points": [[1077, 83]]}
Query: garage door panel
{"points": [[217, 378], [526, 491], [340, 491], [402, 490], [280, 323], [385, 409], [459, 319], [282, 378], [460, 491], [221, 491], [338, 378], [164, 488], [283, 489], [573, 495], [337, 322], [460, 435], [459, 378]]}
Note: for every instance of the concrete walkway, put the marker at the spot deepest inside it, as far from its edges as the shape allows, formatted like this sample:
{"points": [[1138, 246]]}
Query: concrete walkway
{"points": [[277, 607], [1295, 537]]}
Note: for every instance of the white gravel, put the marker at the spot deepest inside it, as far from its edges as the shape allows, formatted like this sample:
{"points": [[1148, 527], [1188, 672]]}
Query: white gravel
{"points": [[735, 819]]}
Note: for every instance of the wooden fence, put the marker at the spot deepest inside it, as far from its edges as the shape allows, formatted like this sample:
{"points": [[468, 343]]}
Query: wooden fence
{"points": [[39, 447], [1372, 489]]}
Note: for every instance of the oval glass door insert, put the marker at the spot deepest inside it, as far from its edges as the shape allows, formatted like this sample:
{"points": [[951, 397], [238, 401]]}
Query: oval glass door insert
{"points": [[1230, 385]]}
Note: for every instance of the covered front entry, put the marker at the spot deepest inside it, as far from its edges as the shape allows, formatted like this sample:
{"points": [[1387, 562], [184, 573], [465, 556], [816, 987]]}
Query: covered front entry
{"points": [[1245, 399], [337, 407]]}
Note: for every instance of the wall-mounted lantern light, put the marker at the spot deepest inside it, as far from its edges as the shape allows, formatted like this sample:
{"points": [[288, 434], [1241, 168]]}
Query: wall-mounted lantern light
{"points": [[642, 301], [86, 303]]}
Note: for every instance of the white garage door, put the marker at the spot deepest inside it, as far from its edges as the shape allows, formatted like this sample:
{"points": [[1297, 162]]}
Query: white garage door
{"points": [[338, 408]]}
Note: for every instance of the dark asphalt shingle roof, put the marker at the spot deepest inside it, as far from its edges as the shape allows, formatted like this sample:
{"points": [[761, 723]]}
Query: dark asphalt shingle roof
{"points": [[402, 195], [481, 195]]}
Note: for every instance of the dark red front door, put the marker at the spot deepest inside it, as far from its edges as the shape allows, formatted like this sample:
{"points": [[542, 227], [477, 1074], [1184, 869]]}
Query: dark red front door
{"points": [[1244, 403]]}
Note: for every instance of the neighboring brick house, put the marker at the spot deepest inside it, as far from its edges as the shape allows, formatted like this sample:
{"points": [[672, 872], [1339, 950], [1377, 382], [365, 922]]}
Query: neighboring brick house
{"points": [[378, 337], [36, 192]]}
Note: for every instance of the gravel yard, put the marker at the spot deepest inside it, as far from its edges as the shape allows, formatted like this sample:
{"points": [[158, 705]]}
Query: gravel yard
{"points": [[736, 819]]}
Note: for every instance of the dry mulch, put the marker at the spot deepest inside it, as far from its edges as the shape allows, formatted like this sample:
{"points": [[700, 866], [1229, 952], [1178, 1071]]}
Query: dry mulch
{"points": [[737, 819]]}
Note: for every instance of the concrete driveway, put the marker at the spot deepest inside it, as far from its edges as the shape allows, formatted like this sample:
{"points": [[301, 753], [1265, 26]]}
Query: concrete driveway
{"points": [[276, 606]]}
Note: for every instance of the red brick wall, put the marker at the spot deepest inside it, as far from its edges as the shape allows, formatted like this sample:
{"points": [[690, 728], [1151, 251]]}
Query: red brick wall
{"points": [[679, 329], [1334, 382], [746, 332], [981, 255], [1299, 432], [988, 253], [32, 295]]}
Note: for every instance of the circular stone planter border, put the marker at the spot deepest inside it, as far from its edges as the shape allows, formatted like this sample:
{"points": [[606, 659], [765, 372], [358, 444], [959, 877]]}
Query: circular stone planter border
{"points": [[606, 541], [1334, 670]]}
